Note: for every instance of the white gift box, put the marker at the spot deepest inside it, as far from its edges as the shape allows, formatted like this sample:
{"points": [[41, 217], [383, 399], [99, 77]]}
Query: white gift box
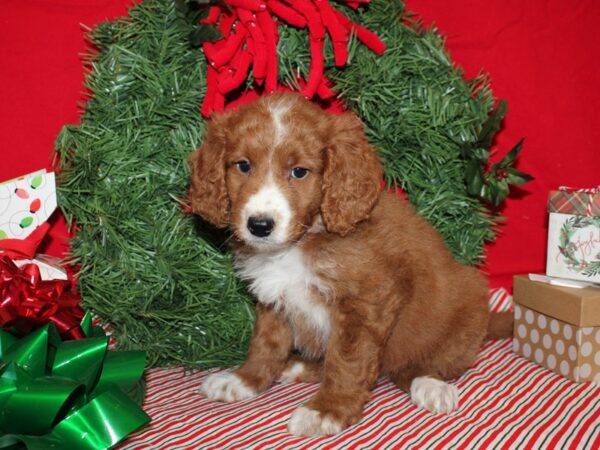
{"points": [[26, 203], [574, 235]]}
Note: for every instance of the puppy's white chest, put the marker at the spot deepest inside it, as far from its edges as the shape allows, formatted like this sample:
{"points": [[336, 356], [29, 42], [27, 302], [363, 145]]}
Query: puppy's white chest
{"points": [[285, 281]]}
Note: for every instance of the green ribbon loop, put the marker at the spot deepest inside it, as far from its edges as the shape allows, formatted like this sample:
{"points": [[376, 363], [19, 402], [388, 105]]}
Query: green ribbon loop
{"points": [[67, 395], [81, 360], [37, 406], [121, 370]]}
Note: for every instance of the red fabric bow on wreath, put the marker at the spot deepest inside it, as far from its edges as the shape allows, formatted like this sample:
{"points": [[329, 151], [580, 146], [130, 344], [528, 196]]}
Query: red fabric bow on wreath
{"points": [[250, 37]]}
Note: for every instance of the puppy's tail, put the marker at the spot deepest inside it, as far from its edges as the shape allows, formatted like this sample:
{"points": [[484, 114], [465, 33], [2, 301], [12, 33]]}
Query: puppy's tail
{"points": [[500, 325]]}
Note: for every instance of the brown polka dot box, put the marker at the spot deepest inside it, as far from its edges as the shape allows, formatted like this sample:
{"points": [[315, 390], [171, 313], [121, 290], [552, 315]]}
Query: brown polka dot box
{"points": [[558, 327]]}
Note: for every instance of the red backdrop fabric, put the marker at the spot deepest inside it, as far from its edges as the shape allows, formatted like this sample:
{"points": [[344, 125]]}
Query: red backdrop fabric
{"points": [[541, 55]]}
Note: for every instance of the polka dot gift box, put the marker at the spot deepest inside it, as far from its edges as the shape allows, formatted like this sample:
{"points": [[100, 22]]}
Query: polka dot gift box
{"points": [[558, 328]]}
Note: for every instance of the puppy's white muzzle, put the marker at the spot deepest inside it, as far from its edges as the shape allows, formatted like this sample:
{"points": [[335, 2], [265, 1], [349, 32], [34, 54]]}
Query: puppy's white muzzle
{"points": [[266, 217]]}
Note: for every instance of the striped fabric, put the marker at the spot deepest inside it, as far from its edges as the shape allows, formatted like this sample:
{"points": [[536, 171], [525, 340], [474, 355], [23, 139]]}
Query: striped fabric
{"points": [[506, 401]]}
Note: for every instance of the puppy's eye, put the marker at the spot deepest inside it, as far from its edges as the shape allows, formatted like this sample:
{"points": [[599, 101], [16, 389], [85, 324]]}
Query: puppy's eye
{"points": [[243, 166], [299, 172]]}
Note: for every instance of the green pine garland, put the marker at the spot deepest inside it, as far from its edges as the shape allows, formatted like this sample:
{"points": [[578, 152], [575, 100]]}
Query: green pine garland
{"points": [[161, 277]]}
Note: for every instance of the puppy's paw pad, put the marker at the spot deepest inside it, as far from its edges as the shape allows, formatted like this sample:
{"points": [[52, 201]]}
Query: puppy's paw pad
{"points": [[434, 395], [310, 422], [226, 387], [292, 374]]}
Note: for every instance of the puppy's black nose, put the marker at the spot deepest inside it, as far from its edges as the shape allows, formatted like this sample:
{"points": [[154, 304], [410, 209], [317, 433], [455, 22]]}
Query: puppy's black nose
{"points": [[260, 226]]}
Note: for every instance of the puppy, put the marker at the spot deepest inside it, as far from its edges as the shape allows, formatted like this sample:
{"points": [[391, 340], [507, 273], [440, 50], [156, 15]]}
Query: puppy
{"points": [[350, 282]]}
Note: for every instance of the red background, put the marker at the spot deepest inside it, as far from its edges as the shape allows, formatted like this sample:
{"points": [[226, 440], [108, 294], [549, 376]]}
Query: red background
{"points": [[541, 56]]}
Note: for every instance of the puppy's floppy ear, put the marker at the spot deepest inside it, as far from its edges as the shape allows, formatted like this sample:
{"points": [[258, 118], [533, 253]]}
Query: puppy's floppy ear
{"points": [[208, 192], [351, 178]]}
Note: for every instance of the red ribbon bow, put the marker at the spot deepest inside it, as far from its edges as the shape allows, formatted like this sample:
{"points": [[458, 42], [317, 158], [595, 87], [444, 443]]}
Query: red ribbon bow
{"points": [[27, 302], [250, 38]]}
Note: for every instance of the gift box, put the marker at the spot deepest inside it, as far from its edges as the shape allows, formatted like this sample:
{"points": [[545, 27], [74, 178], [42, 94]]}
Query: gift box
{"points": [[574, 234], [558, 327], [34, 288], [26, 204]]}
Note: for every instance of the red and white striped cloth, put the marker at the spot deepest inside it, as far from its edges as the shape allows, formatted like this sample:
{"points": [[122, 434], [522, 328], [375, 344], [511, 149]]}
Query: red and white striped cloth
{"points": [[506, 401]]}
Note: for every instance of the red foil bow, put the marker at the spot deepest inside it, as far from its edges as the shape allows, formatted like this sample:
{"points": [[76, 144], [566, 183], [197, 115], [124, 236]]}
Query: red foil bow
{"points": [[27, 302]]}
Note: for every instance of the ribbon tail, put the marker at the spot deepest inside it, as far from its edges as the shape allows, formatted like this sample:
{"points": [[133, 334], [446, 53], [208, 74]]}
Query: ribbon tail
{"points": [[21, 442], [24, 248], [101, 424]]}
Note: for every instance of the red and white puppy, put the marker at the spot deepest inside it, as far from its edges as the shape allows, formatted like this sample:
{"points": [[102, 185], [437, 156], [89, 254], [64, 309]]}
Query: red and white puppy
{"points": [[351, 283]]}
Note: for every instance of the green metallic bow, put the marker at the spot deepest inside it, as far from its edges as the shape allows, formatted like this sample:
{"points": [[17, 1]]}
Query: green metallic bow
{"points": [[71, 395]]}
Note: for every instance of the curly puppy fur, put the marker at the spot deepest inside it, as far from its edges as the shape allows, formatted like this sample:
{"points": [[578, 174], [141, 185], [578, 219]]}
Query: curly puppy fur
{"points": [[351, 283]]}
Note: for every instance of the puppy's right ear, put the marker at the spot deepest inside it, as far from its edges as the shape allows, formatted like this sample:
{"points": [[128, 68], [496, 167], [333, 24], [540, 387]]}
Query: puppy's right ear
{"points": [[208, 192]]}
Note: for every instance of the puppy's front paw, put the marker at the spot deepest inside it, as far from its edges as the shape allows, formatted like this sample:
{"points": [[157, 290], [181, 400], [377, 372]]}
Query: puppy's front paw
{"points": [[226, 387], [434, 395], [310, 422]]}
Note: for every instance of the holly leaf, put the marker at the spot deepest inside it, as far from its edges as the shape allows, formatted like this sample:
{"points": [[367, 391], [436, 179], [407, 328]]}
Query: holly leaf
{"points": [[518, 178], [474, 177], [498, 190], [492, 125], [484, 194], [481, 154], [511, 156]]}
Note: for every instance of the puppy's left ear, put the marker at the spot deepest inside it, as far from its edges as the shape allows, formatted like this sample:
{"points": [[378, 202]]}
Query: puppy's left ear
{"points": [[351, 178]]}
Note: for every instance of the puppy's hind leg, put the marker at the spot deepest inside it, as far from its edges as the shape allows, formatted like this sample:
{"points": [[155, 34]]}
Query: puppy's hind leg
{"points": [[299, 369], [428, 390]]}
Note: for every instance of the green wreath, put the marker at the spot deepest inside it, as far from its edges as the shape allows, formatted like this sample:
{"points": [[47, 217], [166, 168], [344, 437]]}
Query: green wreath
{"points": [[163, 279], [569, 249]]}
